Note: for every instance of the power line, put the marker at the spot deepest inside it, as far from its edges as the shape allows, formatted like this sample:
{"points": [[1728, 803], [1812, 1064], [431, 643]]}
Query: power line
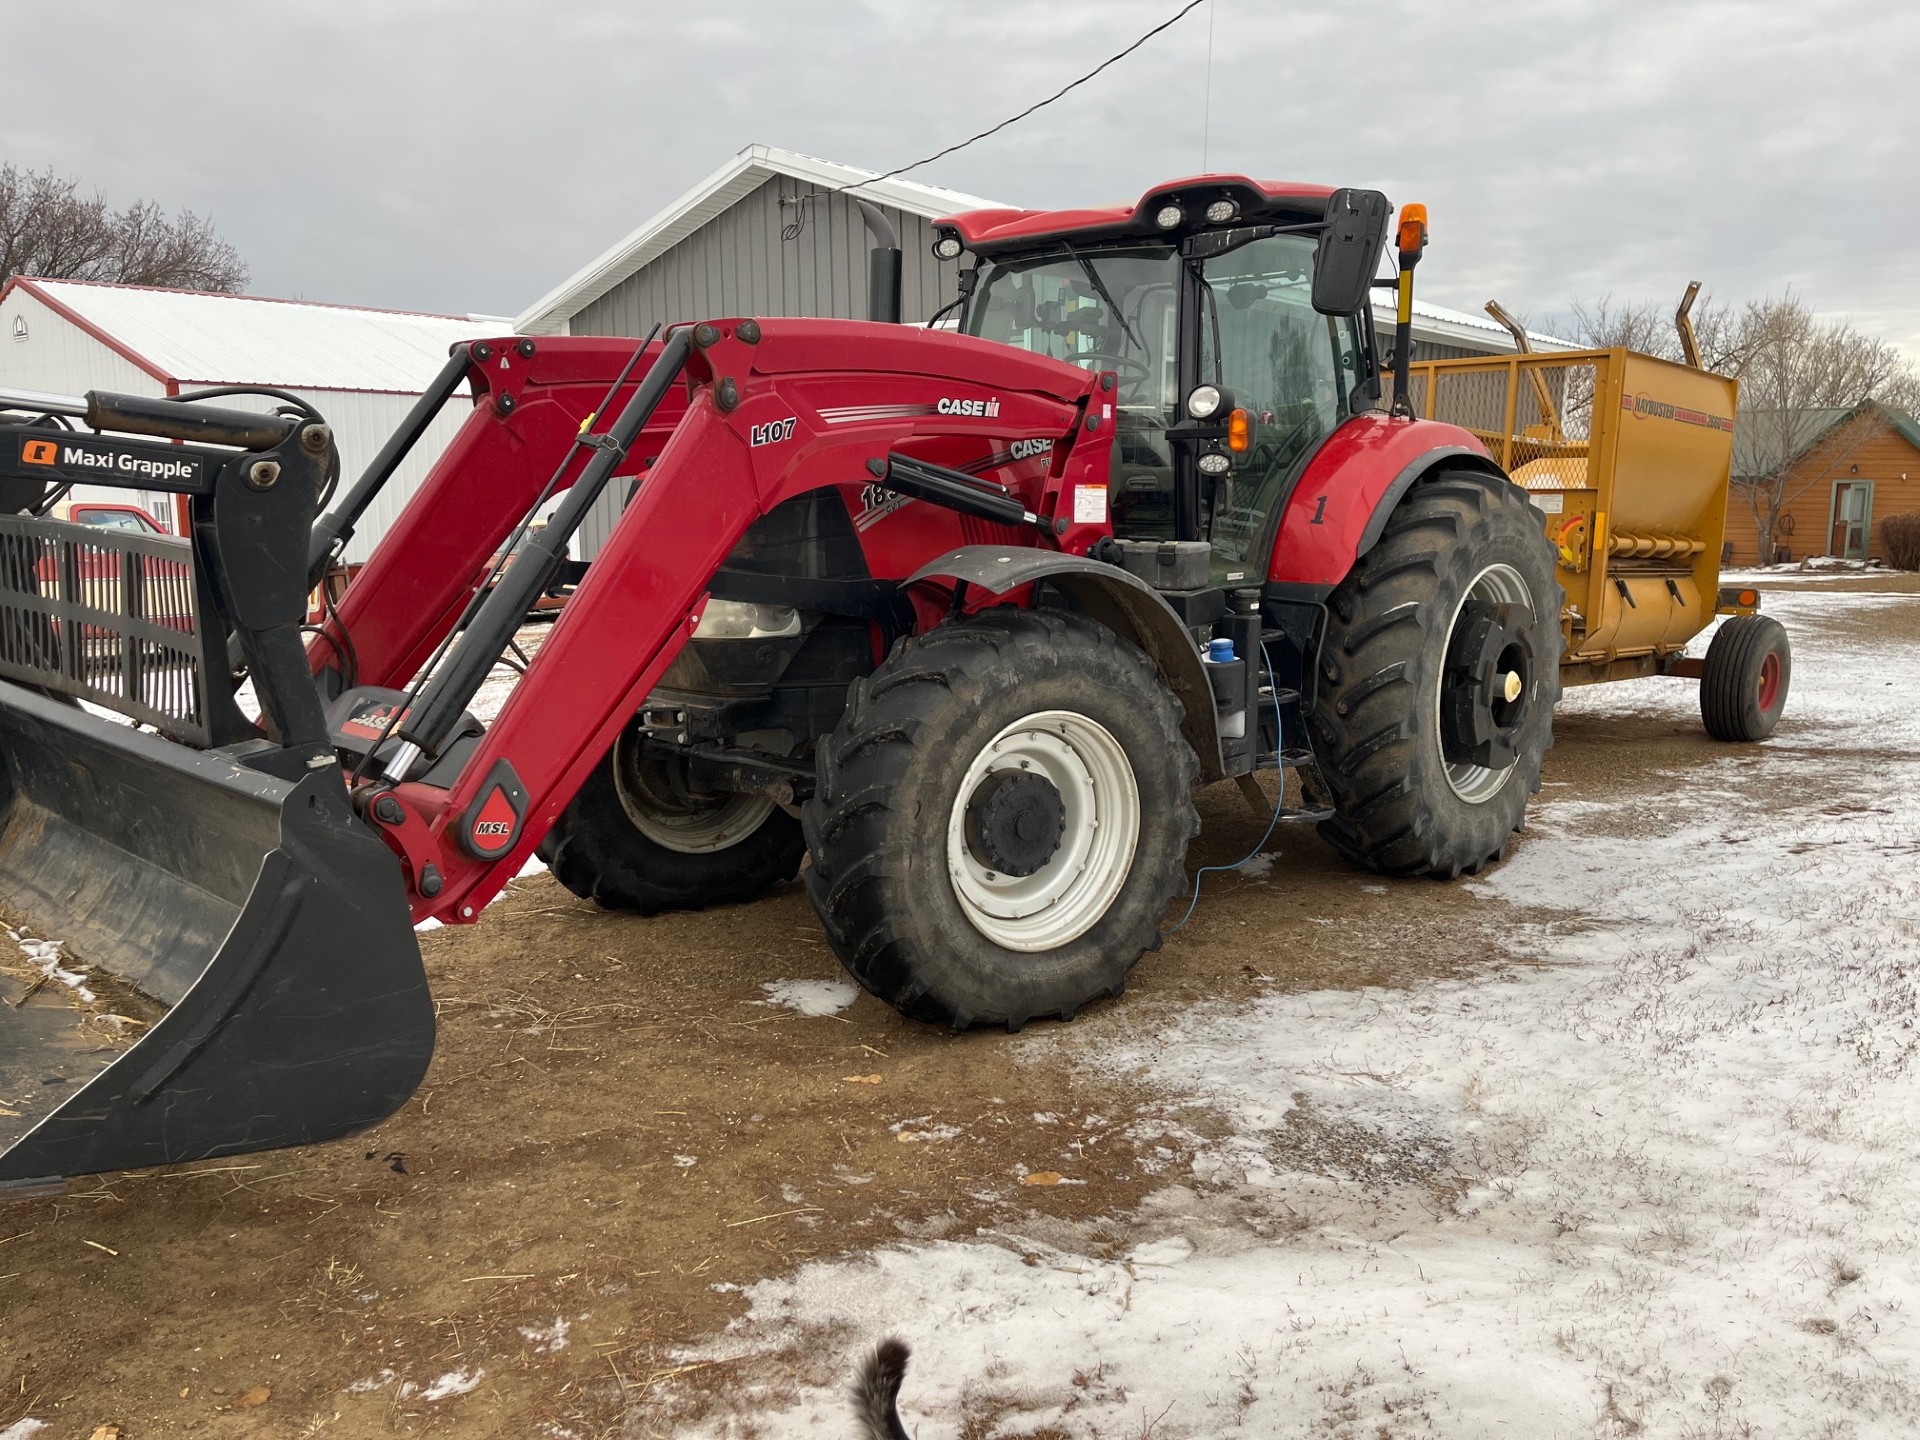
{"points": [[1184, 10]]}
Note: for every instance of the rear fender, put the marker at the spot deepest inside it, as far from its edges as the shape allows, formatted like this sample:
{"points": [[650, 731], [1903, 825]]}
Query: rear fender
{"points": [[1341, 503], [1124, 603]]}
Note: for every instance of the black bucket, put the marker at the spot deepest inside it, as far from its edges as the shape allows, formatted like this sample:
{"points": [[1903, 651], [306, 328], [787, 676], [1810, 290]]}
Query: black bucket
{"points": [[257, 925]]}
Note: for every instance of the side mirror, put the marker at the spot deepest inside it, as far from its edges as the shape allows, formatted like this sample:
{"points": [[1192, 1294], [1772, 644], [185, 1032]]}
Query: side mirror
{"points": [[1348, 255]]}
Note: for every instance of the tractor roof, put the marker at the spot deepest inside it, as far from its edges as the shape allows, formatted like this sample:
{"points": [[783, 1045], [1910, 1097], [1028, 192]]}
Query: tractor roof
{"points": [[988, 232]]}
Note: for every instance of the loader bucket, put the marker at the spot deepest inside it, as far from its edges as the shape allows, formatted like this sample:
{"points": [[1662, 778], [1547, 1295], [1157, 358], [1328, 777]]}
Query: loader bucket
{"points": [[253, 929]]}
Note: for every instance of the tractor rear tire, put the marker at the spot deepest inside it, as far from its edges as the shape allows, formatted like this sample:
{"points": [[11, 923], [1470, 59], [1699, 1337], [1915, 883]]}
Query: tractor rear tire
{"points": [[631, 840], [1743, 682], [1001, 818], [1428, 759]]}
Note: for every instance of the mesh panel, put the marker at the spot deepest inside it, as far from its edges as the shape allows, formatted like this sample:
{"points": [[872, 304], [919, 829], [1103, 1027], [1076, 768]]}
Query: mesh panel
{"points": [[1534, 412], [106, 616]]}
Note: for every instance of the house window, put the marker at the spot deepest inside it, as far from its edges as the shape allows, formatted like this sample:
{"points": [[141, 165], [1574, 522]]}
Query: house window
{"points": [[1850, 523]]}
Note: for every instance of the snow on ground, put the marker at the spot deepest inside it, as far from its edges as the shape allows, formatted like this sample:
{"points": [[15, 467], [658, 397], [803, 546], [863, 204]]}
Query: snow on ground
{"points": [[1660, 1176], [811, 997]]}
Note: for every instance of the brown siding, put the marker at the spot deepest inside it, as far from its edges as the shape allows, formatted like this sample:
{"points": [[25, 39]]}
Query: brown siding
{"points": [[1868, 449]]}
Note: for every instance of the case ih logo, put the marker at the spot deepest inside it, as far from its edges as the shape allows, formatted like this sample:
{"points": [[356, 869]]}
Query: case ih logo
{"points": [[986, 409], [1027, 449], [39, 452]]}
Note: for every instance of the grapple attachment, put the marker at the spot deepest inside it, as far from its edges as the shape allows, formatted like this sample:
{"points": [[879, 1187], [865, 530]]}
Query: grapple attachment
{"points": [[210, 953]]}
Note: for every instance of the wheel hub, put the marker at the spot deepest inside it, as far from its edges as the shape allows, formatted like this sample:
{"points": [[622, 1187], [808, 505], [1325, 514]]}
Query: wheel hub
{"points": [[1015, 822], [1487, 688]]}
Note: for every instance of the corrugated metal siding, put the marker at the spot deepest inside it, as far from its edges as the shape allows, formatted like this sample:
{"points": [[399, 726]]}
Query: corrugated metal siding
{"points": [[59, 356], [361, 424], [737, 264]]}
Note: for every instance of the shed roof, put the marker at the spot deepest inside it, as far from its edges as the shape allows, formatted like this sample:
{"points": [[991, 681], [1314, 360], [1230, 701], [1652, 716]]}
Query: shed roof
{"points": [[190, 337], [1760, 434], [757, 164], [739, 177]]}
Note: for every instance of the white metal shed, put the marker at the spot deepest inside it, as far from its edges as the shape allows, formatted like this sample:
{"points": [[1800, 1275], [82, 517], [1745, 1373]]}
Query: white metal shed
{"points": [[362, 369]]}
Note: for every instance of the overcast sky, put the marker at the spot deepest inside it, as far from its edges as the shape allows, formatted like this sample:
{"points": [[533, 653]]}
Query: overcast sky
{"points": [[465, 157]]}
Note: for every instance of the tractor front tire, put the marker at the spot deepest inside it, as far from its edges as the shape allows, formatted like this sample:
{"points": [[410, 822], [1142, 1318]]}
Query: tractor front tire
{"points": [[1744, 679], [1437, 679], [634, 837], [1001, 818]]}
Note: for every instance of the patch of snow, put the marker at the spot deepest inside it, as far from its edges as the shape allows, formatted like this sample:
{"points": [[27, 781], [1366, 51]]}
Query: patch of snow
{"points": [[685, 1162], [811, 997], [534, 866], [918, 1128], [1258, 867], [454, 1382], [44, 956], [547, 1339], [1651, 1171], [372, 1383], [23, 1428]]}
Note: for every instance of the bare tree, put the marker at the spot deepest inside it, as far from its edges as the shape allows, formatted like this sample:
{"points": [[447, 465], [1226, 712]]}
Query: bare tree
{"points": [[1798, 375], [50, 229], [1647, 326]]}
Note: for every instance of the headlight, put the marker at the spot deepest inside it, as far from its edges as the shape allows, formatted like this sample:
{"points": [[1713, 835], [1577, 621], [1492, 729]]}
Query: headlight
{"points": [[1168, 216], [1214, 463], [1204, 401], [1221, 211], [947, 247], [739, 620]]}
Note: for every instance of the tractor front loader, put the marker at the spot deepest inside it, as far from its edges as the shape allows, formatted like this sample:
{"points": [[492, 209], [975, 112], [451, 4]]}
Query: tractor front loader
{"points": [[959, 618]]}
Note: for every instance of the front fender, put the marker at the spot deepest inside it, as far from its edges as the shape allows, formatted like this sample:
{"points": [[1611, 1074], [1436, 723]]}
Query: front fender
{"points": [[1343, 498], [1122, 602]]}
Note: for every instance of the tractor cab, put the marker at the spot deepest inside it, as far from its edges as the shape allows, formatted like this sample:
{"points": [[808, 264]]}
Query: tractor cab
{"points": [[1213, 302]]}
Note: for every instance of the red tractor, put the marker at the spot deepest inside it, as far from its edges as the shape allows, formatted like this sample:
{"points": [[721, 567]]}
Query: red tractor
{"points": [[960, 616]]}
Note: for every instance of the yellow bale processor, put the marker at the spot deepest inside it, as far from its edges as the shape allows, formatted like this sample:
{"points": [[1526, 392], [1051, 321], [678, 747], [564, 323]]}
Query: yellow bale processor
{"points": [[1627, 459]]}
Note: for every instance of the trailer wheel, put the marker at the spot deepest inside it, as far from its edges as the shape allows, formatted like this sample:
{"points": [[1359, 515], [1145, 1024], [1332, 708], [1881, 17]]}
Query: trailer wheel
{"points": [[1001, 818], [1438, 675], [1743, 682], [635, 837]]}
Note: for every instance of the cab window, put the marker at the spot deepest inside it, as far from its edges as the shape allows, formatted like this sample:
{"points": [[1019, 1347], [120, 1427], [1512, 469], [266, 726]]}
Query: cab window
{"points": [[1291, 367]]}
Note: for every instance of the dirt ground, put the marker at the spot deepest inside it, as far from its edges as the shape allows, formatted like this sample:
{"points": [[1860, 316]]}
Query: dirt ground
{"points": [[618, 1129]]}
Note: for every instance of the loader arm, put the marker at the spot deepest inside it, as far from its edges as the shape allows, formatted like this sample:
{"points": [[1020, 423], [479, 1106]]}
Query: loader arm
{"points": [[800, 406], [530, 401]]}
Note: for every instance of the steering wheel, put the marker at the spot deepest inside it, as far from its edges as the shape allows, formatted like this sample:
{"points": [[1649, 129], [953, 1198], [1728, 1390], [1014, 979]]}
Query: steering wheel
{"points": [[1130, 369]]}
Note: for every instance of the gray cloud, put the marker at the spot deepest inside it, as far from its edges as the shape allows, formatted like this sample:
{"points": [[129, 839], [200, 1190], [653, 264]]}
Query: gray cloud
{"points": [[466, 156]]}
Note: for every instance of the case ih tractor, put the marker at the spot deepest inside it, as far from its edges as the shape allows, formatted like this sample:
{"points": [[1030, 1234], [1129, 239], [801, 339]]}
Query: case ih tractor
{"points": [[961, 616]]}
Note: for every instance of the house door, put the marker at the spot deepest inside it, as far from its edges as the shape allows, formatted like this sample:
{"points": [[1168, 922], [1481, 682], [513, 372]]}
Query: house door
{"points": [[1852, 519]]}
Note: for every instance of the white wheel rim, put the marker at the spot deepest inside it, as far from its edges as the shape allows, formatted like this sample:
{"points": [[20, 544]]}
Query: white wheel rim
{"points": [[1477, 784], [688, 830], [1069, 893]]}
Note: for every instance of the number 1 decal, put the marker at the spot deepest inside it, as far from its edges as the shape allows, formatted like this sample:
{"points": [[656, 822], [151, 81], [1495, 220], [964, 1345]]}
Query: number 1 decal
{"points": [[1319, 512]]}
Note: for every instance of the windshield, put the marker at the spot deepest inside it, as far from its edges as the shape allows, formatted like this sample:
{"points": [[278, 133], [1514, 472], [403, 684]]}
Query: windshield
{"points": [[1119, 309], [1107, 310]]}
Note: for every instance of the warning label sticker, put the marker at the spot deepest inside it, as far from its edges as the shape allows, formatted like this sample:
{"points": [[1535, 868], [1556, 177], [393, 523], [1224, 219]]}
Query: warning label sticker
{"points": [[1089, 504]]}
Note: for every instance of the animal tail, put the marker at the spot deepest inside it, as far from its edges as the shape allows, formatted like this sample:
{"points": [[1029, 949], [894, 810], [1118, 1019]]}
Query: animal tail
{"points": [[876, 1389]]}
